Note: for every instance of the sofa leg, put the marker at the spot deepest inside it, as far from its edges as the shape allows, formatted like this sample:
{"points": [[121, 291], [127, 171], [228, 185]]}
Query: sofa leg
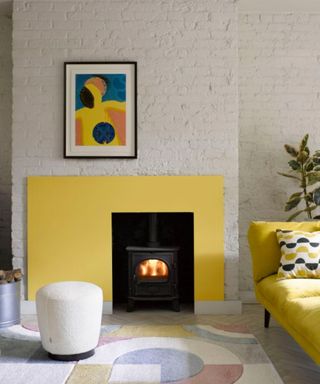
{"points": [[266, 318]]}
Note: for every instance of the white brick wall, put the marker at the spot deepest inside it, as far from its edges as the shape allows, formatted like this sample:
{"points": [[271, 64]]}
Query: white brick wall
{"points": [[187, 94], [279, 88], [5, 140]]}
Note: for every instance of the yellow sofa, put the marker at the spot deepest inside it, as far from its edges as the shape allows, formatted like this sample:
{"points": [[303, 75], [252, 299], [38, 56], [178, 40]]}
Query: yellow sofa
{"points": [[294, 303]]}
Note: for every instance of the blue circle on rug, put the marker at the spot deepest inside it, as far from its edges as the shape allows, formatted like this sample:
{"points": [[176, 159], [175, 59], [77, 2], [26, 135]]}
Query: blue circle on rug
{"points": [[103, 133], [175, 364]]}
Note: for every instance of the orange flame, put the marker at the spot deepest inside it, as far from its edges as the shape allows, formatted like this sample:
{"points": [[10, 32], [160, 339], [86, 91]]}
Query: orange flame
{"points": [[152, 267]]}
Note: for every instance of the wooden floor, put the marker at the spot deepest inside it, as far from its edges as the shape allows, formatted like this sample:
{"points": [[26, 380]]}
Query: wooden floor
{"points": [[293, 365]]}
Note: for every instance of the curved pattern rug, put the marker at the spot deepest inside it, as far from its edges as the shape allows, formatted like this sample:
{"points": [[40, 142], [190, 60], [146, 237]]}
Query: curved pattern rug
{"points": [[178, 354]]}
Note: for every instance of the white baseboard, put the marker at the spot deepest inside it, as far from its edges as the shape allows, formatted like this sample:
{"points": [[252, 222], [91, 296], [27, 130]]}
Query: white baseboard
{"points": [[107, 308], [248, 297], [28, 307], [227, 307]]}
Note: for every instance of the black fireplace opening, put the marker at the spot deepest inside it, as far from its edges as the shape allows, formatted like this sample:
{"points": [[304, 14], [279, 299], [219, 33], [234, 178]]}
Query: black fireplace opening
{"points": [[153, 259]]}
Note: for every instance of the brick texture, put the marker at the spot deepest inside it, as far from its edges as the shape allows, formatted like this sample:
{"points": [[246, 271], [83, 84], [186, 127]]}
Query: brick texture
{"points": [[187, 94], [279, 89]]}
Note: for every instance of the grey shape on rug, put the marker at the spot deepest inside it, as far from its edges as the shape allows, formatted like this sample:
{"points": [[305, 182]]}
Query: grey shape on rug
{"points": [[17, 351], [175, 364], [217, 337]]}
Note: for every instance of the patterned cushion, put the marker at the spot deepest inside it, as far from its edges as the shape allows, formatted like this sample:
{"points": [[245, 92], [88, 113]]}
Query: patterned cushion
{"points": [[300, 254]]}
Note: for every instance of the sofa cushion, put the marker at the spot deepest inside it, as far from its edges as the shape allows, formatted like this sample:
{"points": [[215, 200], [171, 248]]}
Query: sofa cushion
{"points": [[300, 254], [264, 246], [303, 315], [280, 293]]}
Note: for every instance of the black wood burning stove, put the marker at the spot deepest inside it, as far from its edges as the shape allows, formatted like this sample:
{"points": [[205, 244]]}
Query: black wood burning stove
{"points": [[152, 271]]}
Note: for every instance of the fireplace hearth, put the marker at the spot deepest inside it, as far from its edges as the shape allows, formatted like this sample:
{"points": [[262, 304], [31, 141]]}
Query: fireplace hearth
{"points": [[153, 270]]}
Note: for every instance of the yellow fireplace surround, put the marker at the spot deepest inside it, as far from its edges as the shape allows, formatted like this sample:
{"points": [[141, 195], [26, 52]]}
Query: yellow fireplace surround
{"points": [[70, 229]]}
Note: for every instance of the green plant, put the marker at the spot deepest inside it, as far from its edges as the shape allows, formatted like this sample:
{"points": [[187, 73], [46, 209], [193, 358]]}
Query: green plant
{"points": [[305, 168]]}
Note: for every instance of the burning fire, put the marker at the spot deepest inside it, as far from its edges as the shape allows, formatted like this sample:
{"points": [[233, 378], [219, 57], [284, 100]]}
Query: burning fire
{"points": [[152, 267]]}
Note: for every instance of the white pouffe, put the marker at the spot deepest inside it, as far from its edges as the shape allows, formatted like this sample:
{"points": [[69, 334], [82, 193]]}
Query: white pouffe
{"points": [[69, 316]]}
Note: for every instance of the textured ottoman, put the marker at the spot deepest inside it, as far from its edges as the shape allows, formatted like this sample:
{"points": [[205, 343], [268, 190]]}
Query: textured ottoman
{"points": [[69, 316]]}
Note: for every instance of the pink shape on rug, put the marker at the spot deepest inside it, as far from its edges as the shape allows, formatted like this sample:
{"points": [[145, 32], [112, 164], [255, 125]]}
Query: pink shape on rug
{"points": [[30, 326], [109, 339], [217, 374], [239, 328]]}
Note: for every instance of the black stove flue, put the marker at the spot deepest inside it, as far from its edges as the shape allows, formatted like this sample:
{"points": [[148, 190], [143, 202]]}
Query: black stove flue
{"points": [[153, 270], [153, 230]]}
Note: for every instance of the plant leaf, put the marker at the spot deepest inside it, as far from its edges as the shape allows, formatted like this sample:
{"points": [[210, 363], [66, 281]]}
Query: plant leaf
{"points": [[294, 165], [316, 160], [292, 203], [317, 153], [304, 142], [294, 195], [301, 211], [313, 177], [309, 165], [316, 196], [287, 175], [316, 168], [291, 150], [302, 156], [308, 197]]}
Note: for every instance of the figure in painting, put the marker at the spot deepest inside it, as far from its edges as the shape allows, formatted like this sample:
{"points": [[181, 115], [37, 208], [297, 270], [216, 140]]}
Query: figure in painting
{"points": [[100, 120]]}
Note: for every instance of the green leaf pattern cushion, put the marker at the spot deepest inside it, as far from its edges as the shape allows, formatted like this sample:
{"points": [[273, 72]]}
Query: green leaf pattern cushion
{"points": [[300, 254]]}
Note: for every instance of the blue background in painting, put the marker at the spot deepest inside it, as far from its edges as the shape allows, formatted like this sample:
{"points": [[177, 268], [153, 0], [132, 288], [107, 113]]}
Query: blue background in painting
{"points": [[116, 87]]}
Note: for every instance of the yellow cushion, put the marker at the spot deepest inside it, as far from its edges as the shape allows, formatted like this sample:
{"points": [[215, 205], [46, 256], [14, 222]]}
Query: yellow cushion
{"points": [[280, 293], [300, 254], [265, 250]]}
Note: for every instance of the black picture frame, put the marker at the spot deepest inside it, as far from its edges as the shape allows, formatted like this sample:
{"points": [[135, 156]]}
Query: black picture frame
{"points": [[100, 109]]}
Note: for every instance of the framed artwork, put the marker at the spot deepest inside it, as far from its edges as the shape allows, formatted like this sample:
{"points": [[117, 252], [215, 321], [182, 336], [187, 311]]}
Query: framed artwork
{"points": [[101, 110]]}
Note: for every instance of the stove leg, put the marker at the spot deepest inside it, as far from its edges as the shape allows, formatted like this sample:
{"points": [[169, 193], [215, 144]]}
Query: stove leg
{"points": [[176, 305], [130, 305]]}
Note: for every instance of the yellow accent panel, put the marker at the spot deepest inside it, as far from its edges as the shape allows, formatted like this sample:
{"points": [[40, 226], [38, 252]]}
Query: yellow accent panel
{"points": [[265, 250], [70, 234]]}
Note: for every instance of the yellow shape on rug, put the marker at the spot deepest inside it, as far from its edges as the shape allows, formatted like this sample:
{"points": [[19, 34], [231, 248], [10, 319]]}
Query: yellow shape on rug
{"points": [[150, 330], [90, 374]]}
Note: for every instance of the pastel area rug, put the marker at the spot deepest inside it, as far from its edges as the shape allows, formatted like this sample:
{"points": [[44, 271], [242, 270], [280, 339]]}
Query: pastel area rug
{"points": [[179, 354]]}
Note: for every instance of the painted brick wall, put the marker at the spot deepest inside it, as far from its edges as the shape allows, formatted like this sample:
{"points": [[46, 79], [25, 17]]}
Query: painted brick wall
{"points": [[279, 88], [187, 94], [5, 139]]}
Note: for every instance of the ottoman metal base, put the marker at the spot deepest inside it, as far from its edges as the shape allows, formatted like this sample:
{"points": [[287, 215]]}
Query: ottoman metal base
{"points": [[75, 357]]}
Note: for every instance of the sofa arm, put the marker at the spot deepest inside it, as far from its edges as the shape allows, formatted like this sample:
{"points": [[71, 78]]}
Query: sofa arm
{"points": [[264, 247]]}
